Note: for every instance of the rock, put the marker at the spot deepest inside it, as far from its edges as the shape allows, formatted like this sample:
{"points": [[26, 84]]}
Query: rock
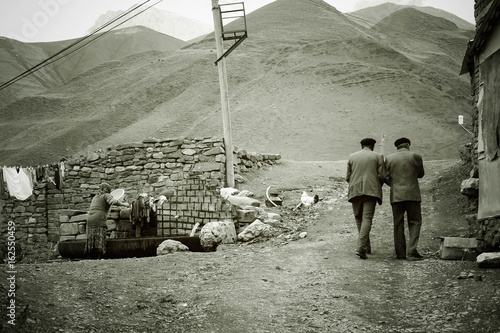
{"points": [[239, 178], [254, 230], [226, 192], [214, 233], [245, 193], [488, 260], [125, 213], [67, 229], [272, 222], [470, 187], [167, 192], [170, 246], [243, 201], [274, 216], [303, 234], [246, 215], [82, 227], [111, 225], [79, 218]]}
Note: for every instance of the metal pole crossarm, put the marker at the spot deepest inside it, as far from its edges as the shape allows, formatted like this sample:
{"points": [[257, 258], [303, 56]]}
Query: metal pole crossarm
{"points": [[235, 45]]}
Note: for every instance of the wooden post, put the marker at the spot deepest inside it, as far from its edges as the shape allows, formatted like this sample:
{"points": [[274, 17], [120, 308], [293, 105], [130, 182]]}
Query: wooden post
{"points": [[224, 96], [382, 143]]}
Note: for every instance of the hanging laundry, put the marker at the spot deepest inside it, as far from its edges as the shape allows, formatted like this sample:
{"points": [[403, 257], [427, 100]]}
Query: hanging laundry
{"points": [[1, 182], [62, 169], [18, 183], [57, 176]]}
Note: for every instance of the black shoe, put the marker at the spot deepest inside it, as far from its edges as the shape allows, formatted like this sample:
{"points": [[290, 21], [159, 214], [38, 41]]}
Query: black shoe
{"points": [[362, 255], [401, 258], [416, 255]]}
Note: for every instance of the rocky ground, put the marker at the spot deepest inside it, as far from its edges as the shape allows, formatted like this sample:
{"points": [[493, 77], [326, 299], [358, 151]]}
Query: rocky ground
{"points": [[283, 284]]}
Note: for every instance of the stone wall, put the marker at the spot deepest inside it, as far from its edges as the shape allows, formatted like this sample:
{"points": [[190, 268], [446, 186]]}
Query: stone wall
{"points": [[194, 168]]}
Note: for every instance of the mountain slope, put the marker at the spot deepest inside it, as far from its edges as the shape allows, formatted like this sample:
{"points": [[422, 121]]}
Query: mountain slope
{"points": [[308, 83], [160, 20], [370, 16], [17, 57]]}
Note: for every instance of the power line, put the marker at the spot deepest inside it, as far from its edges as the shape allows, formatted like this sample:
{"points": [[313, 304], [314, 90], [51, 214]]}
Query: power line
{"points": [[51, 58], [387, 27], [102, 34]]}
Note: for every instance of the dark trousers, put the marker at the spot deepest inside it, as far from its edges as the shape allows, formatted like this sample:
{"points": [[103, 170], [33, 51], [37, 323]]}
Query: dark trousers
{"points": [[364, 208], [414, 216]]}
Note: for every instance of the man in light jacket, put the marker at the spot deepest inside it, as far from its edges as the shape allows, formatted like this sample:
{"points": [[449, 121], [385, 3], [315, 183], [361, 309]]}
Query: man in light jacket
{"points": [[404, 168], [365, 175]]}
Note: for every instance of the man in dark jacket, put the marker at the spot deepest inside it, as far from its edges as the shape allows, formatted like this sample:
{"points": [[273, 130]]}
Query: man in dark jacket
{"points": [[403, 170], [365, 175]]}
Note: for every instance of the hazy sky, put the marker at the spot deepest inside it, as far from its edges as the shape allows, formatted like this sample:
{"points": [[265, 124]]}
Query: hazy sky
{"points": [[50, 20]]}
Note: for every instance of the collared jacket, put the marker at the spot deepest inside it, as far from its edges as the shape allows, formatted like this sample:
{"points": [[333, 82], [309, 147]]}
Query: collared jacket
{"points": [[404, 167], [365, 174]]}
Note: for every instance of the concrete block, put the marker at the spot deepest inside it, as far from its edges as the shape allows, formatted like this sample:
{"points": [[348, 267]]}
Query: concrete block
{"points": [[67, 229]]}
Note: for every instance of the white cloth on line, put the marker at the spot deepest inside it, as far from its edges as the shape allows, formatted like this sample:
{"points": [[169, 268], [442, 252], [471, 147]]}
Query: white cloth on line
{"points": [[18, 183]]}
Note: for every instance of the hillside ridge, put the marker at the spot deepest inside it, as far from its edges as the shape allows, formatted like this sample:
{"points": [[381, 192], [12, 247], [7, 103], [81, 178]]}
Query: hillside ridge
{"points": [[308, 83]]}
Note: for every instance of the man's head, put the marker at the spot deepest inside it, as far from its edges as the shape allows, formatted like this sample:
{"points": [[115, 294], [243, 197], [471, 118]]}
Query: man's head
{"points": [[368, 142], [402, 143]]}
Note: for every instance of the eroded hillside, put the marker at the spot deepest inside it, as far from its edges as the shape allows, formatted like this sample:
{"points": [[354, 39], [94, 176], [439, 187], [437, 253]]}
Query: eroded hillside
{"points": [[308, 83]]}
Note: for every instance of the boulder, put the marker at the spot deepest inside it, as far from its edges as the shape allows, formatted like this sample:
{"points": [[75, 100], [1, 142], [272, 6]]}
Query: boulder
{"points": [[488, 260], [255, 230], [214, 233], [243, 202], [170, 246], [470, 187]]}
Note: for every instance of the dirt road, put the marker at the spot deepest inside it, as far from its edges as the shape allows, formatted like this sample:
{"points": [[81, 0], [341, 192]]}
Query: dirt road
{"points": [[284, 284]]}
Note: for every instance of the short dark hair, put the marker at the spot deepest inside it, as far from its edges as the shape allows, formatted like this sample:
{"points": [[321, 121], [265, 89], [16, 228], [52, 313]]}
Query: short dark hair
{"points": [[368, 142], [105, 187], [400, 141]]}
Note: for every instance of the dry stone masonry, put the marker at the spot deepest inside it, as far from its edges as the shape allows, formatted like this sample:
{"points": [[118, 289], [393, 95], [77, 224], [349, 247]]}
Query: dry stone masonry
{"points": [[193, 167]]}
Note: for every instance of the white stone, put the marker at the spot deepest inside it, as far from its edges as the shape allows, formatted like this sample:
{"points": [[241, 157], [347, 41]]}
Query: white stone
{"points": [[489, 260], [254, 230], [214, 233], [189, 152], [243, 202], [470, 187], [170, 246]]}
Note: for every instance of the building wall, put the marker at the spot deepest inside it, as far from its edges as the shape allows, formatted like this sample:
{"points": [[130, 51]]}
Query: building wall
{"points": [[194, 168], [489, 225]]}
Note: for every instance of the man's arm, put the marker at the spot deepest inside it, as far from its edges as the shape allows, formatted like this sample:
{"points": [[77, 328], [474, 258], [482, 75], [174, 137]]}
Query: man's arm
{"points": [[348, 175], [420, 167], [381, 173], [387, 179]]}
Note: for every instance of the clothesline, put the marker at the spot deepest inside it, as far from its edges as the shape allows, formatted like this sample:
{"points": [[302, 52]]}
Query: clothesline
{"points": [[36, 166], [21, 181]]}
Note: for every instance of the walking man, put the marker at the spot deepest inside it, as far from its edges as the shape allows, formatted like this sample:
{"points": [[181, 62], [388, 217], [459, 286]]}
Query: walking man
{"points": [[365, 175], [404, 167]]}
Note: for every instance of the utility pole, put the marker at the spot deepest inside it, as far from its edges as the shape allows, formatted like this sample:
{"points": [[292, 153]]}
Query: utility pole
{"points": [[224, 96], [382, 143]]}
